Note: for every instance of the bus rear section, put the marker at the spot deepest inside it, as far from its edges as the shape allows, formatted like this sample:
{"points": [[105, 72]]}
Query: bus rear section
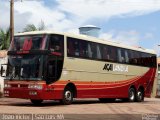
{"points": [[109, 71]]}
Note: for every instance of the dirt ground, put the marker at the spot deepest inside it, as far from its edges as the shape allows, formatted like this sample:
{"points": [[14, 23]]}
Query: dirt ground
{"points": [[84, 108]]}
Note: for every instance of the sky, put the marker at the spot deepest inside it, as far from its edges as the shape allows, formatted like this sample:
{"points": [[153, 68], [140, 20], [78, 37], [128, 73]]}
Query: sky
{"points": [[130, 22]]}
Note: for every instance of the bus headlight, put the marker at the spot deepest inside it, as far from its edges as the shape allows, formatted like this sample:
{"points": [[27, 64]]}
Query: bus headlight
{"points": [[35, 86], [7, 85]]}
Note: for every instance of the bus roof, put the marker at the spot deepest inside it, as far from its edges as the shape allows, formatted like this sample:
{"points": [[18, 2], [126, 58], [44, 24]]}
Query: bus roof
{"points": [[89, 38]]}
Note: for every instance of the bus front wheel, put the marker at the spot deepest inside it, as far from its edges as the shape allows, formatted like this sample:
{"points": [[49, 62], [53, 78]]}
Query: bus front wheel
{"points": [[67, 96], [36, 102]]}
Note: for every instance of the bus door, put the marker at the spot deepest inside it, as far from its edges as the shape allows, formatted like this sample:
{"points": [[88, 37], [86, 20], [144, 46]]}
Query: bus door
{"points": [[55, 58], [52, 69]]}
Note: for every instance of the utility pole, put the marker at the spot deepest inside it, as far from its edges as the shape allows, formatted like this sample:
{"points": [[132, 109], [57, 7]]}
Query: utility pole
{"points": [[11, 19]]}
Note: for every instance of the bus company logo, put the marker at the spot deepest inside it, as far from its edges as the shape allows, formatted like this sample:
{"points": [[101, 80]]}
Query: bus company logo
{"points": [[115, 68]]}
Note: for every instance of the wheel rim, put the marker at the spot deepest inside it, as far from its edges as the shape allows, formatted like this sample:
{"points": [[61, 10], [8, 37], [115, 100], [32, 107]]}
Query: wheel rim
{"points": [[131, 95], [140, 96], [68, 96]]}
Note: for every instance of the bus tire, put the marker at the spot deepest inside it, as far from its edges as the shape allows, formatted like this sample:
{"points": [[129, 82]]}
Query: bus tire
{"points": [[140, 96], [36, 102], [131, 95], [67, 96]]}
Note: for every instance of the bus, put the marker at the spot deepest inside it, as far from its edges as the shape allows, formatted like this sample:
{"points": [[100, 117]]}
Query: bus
{"points": [[46, 65]]}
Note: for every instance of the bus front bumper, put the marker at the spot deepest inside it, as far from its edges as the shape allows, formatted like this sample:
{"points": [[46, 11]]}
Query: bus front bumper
{"points": [[32, 94]]}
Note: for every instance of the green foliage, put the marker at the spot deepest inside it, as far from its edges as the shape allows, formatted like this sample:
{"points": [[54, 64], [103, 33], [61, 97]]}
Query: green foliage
{"points": [[32, 27], [4, 39]]}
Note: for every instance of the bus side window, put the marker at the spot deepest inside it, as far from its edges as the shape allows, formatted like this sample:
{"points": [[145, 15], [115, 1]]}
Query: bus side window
{"points": [[123, 58], [119, 55], [89, 51], [126, 56], [83, 49], [70, 49], [76, 48], [105, 53], [94, 50], [123, 55], [130, 54], [99, 56], [113, 54], [73, 47]]}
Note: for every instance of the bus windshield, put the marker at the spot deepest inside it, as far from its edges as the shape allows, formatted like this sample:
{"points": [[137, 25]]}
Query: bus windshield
{"points": [[24, 67], [28, 42]]}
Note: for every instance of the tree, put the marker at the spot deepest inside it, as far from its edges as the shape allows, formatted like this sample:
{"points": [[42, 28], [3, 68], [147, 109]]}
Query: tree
{"points": [[32, 27], [41, 26], [4, 39]]}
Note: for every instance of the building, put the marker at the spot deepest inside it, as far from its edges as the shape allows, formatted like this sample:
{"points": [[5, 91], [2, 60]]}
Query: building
{"points": [[3, 60]]}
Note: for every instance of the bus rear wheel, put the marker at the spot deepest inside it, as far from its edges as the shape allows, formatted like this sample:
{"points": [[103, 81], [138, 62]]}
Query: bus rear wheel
{"points": [[131, 95], [36, 102], [140, 96], [67, 96]]}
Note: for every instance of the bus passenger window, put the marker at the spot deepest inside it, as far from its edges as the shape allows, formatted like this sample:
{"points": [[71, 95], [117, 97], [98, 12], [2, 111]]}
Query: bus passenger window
{"points": [[76, 48], [99, 56], [70, 49], [73, 47], [105, 53], [89, 51], [122, 55], [113, 53], [119, 55], [83, 49], [126, 56], [123, 59], [93, 50]]}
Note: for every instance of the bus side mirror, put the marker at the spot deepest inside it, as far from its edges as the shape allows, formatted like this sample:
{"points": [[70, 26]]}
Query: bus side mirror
{"points": [[3, 71]]}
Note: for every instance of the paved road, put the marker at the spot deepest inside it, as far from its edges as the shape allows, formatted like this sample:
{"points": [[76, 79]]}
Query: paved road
{"points": [[85, 106]]}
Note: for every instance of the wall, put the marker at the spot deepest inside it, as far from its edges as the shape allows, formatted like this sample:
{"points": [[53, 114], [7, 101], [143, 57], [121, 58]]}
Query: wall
{"points": [[3, 60]]}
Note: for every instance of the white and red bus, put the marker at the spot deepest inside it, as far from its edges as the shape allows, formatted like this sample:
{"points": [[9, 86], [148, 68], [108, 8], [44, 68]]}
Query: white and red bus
{"points": [[60, 66]]}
